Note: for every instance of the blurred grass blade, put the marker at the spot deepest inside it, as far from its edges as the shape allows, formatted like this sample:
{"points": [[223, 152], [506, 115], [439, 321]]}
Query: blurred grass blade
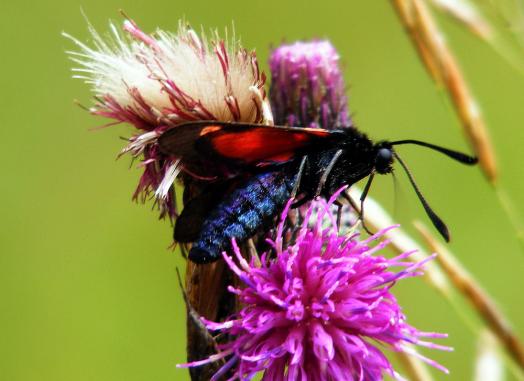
{"points": [[415, 369], [484, 305], [489, 364], [498, 23], [508, 206], [467, 14], [377, 218], [443, 67]]}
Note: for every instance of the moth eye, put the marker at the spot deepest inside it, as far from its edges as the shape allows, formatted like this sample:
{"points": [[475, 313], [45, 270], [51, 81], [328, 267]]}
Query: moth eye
{"points": [[384, 155]]}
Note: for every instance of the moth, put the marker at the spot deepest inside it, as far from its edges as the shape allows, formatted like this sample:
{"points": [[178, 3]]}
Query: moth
{"points": [[251, 171]]}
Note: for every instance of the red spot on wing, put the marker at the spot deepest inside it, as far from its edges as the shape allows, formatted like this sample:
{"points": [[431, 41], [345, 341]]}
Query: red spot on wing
{"points": [[264, 144]]}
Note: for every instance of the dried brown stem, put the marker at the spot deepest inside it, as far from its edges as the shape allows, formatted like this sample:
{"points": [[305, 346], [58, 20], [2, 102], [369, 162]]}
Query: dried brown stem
{"points": [[477, 296], [206, 289], [444, 69], [207, 296]]}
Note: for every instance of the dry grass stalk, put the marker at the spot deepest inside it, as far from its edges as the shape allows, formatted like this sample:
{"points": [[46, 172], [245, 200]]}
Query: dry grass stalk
{"points": [[489, 364], [481, 301], [498, 23], [414, 367], [444, 69], [468, 15]]}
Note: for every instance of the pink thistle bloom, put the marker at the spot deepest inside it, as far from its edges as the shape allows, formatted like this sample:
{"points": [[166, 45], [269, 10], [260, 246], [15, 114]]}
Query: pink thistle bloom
{"points": [[307, 87], [307, 90], [155, 82], [318, 309]]}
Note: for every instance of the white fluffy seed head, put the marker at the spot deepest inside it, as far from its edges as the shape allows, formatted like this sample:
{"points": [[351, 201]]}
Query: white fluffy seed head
{"points": [[156, 82], [112, 66], [179, 74]]}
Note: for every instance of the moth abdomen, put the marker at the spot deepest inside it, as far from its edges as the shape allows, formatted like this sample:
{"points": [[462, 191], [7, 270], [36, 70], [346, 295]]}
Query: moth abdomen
{"points": [[241, 214]]}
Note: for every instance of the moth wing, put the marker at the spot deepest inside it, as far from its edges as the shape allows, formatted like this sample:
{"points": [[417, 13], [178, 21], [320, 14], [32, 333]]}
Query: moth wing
{"points": [[235, 145], [189, 224]]}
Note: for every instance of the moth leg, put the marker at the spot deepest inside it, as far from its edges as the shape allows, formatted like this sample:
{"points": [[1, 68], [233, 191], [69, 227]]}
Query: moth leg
{"points": [[184, 250], [352, 203], [339, 212], [301, 202], [358, 210], [328, 170], [299, 177], [363, 196]]}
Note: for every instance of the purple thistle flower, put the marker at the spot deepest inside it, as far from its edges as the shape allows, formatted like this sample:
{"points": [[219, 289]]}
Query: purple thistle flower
{"points": [[318, 308], [307, 88]]}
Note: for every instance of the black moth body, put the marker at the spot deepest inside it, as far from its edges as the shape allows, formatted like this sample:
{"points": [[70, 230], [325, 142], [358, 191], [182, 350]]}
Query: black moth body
{"points": [[249, 185]]}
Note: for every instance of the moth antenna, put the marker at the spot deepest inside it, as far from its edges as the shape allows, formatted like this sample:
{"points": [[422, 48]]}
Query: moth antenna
{"points": [[436, 220], [455, 155]]}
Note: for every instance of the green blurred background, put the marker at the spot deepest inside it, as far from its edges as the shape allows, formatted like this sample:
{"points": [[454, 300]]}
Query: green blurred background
{"points": [[88, 288]]}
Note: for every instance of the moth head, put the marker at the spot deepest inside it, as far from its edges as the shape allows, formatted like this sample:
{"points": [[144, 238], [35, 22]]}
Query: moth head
{"points": [[384, 157]]}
